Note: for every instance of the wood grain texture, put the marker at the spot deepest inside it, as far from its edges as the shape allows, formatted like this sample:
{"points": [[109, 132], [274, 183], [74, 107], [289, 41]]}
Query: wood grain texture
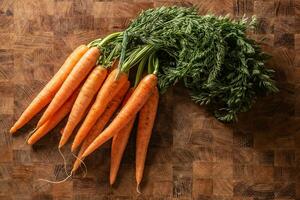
{"points": [[191, 154]]}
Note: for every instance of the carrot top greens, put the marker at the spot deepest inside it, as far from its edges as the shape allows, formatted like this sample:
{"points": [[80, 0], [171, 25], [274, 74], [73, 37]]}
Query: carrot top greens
{"points": [[211, 55]]}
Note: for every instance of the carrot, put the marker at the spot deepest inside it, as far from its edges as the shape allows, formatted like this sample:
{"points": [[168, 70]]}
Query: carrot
{"points": [[127, 113], [54, 120], [109, 89], [146, 121], [100, 124], [77, 75], [118, 145], [48, 92], [86, 94]]}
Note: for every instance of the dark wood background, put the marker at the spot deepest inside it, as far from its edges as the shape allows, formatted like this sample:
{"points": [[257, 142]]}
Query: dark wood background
{"points": [[191, 155]]}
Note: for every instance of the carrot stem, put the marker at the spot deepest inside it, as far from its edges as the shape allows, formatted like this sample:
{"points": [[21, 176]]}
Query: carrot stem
{"points": [[153, 64], [140, 71], [156, 65], [136, 58], [150, 63], [123, 50], [109, 37], [101, 41]]}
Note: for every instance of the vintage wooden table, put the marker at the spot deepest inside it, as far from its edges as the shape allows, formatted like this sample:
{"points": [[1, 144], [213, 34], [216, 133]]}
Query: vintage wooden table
{"points": [[191, 155]]}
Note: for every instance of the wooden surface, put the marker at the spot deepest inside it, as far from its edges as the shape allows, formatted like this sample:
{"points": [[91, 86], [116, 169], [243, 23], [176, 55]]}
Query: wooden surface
{"points": [[191, 155]]}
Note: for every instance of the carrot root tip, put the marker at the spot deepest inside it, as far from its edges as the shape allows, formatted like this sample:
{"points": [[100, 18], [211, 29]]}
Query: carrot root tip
{"points": [[27, 139], [84, 154], [61, 144], [12, 130], [73, 148], [39, 124], [138, 189], [111, 180], [81, 161]]}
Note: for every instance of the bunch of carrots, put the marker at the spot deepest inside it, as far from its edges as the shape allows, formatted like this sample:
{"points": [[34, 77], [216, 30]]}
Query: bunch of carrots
{"points": [[212, 56], [95, 95]]}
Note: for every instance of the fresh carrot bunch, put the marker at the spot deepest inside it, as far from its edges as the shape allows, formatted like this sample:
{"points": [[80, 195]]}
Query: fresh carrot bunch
{"points": [[92, 94], [211, 55]]}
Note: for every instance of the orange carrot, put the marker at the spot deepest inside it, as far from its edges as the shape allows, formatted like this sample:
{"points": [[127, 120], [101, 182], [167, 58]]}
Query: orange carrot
{"points": [[86, 94], [127, 113], [100, 124], [109, 89], [77, 75], [146, 121], [118, 147], [119, 144], [48, 92], [50, 124]]}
